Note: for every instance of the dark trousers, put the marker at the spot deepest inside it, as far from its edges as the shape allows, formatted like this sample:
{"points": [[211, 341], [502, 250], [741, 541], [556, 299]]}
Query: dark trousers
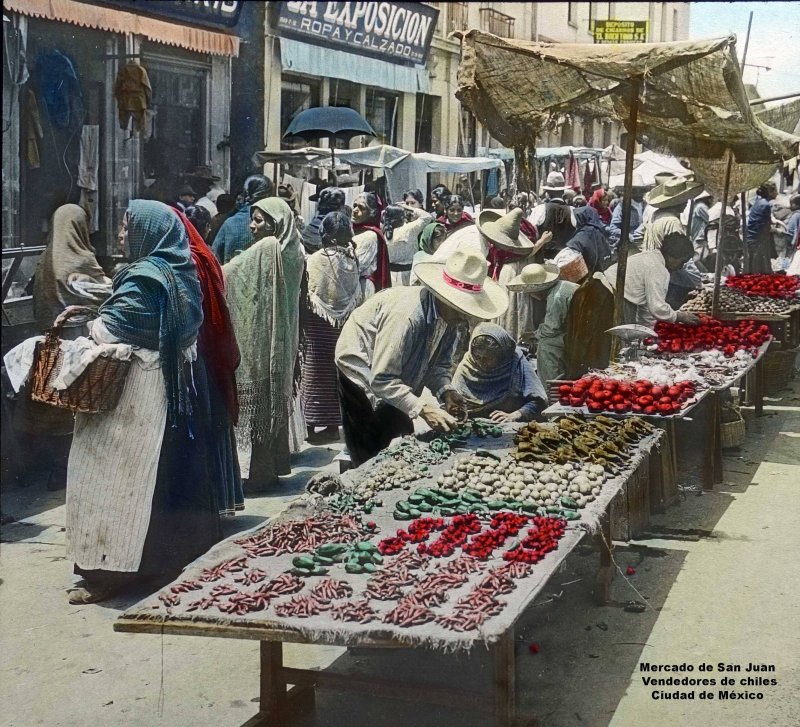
{"points": [[368, 430]]}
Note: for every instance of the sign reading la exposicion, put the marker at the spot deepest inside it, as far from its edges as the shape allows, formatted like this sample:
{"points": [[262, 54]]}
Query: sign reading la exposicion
{"points": [[396, 32]]}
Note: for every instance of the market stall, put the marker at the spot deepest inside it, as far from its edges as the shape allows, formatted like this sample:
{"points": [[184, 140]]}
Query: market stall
{"points": [[437, 545]]}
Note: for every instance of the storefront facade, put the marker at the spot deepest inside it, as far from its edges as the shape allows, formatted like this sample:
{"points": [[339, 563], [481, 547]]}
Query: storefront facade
{"points": [[67, 137]]}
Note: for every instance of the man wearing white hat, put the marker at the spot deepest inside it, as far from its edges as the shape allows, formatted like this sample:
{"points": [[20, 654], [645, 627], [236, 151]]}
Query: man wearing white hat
{"points": [[554, 215], [401, 341], [638, 191], [541, 282]]}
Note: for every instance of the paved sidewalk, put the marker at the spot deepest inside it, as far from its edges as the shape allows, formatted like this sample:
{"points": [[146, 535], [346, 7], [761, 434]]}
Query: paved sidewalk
{"points": [[719, 572]]}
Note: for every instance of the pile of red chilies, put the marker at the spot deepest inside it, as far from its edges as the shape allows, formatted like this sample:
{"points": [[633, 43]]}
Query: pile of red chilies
{"points": [[540, 540], [769, 286], [303, 536]]}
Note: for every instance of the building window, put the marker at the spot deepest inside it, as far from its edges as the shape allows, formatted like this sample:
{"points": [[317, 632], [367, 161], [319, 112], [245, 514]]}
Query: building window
{"points": [[606, 134], [381, 112], [572, 14], [296, 96], [457, 16], [497, 23]]}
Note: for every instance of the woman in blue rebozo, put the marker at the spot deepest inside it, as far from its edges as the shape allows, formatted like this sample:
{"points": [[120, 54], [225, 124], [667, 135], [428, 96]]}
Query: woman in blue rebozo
{"points": [[140, 501]]}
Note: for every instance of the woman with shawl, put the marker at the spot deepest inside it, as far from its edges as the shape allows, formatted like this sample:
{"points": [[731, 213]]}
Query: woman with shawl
{"points": [[216, 344], [496, 379], [454, 217], [234, 235], [590, 240], [263, 294], [140, 500], [68, 272], [402, 227], [599, 203], [370, 242], [334, 291], [431, 237]]}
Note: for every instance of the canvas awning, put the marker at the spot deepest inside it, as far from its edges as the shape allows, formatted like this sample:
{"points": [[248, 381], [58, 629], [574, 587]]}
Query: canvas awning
{"points": [[692, 103], [109, 19]]}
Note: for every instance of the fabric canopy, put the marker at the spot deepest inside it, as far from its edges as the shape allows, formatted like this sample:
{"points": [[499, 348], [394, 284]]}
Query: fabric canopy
{"points": [[404, 170], [121, 21], [692, 103]]}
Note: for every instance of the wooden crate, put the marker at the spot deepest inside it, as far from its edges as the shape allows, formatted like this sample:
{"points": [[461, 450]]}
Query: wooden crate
{"points": [[663, 480]]}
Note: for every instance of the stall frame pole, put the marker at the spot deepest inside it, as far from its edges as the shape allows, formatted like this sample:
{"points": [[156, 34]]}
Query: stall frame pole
{"points": [[718, 263]]}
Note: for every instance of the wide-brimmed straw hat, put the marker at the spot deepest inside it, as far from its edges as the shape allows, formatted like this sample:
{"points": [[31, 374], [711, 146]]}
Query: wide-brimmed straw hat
{"points": [[555, 182], [463, 282], [674, 192], [503, 230], [534, 278]]}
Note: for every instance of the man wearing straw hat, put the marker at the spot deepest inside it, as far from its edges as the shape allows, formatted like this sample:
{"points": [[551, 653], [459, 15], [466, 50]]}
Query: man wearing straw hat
{"points": [[498, 238], [638, 191], [541, 283], [401, 341]]}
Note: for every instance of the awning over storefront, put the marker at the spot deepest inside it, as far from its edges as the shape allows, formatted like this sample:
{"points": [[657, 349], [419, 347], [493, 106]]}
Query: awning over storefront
{"points": [[315, 60], [119, 21]]}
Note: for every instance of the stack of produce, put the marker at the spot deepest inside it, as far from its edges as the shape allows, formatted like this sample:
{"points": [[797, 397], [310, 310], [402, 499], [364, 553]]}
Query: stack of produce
{"points": [[710, 334], [768, 286], [732, 300], [605, 393], [705, 368]]}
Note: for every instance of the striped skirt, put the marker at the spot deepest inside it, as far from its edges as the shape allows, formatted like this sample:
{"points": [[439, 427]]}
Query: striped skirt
{"points": [[318, 389]]}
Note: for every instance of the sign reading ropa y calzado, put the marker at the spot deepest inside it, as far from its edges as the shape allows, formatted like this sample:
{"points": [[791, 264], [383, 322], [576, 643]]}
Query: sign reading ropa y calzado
{"points": [[620, 31], [396, 32]]}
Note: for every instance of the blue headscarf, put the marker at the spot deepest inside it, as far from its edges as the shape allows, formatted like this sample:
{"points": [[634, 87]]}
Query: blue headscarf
{"points": [[590, 239], [156, 300]]}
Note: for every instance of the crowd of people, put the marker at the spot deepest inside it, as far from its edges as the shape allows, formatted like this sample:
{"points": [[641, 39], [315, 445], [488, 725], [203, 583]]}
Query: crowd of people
{"points": [[253, 331]]}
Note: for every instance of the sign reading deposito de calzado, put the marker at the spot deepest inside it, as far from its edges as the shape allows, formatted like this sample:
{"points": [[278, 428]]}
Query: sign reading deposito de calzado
{"points": [[619, 31], [396, 32]]}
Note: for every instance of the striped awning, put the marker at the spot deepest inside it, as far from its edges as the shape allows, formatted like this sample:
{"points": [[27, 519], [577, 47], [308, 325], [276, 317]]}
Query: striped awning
{"points": [[101, 17]]}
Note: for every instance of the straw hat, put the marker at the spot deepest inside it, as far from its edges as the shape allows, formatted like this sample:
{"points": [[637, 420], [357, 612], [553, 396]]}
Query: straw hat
{"points": [[534, 278], [503, 230], [674, 192], [555, 182], [463, 283], [662, 177]]}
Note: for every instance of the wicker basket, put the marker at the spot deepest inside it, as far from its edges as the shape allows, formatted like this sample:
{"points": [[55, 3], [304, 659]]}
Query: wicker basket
{"points": [[731, 428], [96, 390], [574, 271], [778, 370]]}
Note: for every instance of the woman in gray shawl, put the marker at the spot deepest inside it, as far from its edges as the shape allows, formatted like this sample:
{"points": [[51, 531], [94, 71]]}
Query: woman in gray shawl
{"points": [[262, 288]]}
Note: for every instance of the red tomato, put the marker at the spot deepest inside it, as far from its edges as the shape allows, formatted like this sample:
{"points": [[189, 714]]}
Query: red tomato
{"points": [[645, 400], [657, 392]]}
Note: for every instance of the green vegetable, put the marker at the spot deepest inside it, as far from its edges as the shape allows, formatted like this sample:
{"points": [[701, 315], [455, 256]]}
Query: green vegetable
{"points": [[496, 504], [415, 498], [403, 506], [553, 509], [377, 558], [354, 568], [401, 515], [424, 507], [569, 503], [369, 568], [302, 572], [415, 513], [331, 549], [304, 561], [319, 572], [322, 560], [571, 515], [365, 546]]}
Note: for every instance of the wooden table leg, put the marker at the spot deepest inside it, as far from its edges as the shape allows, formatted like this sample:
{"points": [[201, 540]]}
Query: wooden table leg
{"points": [[718, 473], [712, 436], [505, 691], [605, 573], [758, 386]]}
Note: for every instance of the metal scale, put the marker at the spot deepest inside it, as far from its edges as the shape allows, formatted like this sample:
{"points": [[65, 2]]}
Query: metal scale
{"points": [[634, 336]]}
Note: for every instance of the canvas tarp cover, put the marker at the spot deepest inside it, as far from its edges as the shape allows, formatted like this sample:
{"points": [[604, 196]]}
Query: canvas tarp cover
{"points": [[693, 102]]}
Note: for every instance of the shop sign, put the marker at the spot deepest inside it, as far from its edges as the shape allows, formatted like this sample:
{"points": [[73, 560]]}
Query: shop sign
{"points": [[209, 13], [620, 31], [395, 32]]}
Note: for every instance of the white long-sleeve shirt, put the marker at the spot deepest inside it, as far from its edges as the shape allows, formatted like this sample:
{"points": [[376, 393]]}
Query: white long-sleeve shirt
{"points": [[646, 284]]}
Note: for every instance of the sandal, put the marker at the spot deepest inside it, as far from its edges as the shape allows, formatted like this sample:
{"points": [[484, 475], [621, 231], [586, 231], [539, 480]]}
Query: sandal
{"points": [[84, 593]]}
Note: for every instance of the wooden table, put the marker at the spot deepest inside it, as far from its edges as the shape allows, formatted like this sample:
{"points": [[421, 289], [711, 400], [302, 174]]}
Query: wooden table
{"points": [[278, 705]]}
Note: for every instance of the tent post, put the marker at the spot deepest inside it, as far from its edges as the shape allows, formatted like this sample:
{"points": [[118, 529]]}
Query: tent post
{"points": [[720, 234], [333, 161], [743, 230], [483, 188], [622, 249]]}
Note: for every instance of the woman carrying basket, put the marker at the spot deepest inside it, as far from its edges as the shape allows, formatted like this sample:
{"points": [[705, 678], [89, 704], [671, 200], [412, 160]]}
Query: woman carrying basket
{"points": [[140, 501]]}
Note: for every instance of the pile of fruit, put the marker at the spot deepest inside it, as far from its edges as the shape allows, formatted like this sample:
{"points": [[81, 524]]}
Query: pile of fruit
{"points": [[603, 393], [711, 334], [768, 286], [732, 300]]}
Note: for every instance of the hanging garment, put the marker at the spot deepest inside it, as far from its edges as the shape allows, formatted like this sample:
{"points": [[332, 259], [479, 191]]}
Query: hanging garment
{"points": [[87, 173], [33, 124], [59, 88], [588, 179], [572, 173], [133, 93]]}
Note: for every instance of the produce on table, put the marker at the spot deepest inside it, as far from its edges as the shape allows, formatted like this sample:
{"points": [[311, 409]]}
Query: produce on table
{"points": [[767, 285], [387, 475], [302, 536], [732, 300], [726, 336], [604, 393]]}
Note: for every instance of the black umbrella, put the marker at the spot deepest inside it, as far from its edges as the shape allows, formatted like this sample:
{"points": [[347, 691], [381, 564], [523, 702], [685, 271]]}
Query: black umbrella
{"points": [[332, 122]]}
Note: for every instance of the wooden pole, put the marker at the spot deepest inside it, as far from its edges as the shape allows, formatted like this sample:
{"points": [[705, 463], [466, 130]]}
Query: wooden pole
{"points": [[747, 40], [720, 234], [622, 250], [333, 161], [743, 231]]}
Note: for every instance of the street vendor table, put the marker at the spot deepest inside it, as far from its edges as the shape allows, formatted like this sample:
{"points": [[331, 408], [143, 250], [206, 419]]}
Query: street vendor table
{"points": [[497, 632]]}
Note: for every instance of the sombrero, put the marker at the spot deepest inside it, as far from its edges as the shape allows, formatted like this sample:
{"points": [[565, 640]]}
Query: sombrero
{"points": [[463, 282], [555, 182], [674, 192], [534, 278], [503, 230]]}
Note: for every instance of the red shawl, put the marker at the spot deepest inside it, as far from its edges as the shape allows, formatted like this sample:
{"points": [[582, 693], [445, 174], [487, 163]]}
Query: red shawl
{"points": [[529, 230], [381, 278], [216, 342], [498, 257], [464, 220], [594, 203]]}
